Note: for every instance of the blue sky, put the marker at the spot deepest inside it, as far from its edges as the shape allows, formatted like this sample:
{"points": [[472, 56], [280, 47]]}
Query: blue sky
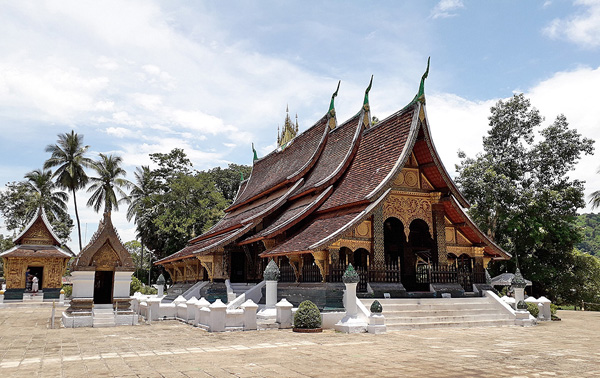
{"points": [[138, 77]]}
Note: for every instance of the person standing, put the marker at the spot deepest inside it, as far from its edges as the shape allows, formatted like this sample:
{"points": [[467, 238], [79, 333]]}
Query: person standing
{"points": [[34, 285]]}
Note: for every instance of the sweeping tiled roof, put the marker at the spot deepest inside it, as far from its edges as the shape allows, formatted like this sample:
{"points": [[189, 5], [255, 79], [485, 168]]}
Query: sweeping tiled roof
{"points": [[379, 150], [336, 153], [313, 233], [324, 182], [284, 165]]}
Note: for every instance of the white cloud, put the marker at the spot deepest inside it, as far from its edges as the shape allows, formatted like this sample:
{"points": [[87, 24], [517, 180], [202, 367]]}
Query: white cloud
{"points": [[446, 8], [582, 28], [118, 132]]}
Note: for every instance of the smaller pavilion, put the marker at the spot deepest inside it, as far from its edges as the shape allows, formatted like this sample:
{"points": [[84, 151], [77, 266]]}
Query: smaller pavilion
{"points": [[37, 252], [101, 273]]}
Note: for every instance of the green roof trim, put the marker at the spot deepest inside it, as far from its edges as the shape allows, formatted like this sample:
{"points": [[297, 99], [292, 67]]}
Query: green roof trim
{"points": [[366, 100], [333, 96]]}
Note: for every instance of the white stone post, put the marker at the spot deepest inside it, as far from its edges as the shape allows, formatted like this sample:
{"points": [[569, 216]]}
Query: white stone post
{"points": [[200, 314], [271, 275], [351, 323], [522, 316], [61, 297], [191, 310], [218, 311], [249, 308], [1, 298], [546, 303], [284, 314], [153, 308]]}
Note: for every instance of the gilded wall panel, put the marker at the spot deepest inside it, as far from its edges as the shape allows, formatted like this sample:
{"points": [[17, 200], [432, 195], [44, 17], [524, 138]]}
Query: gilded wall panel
{"points": [[408, 207]]}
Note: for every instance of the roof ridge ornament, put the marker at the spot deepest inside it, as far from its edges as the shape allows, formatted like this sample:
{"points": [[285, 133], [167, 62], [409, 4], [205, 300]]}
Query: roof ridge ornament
{"points": [[254, 158], [331, 118], [421, 94], [366, 107]]}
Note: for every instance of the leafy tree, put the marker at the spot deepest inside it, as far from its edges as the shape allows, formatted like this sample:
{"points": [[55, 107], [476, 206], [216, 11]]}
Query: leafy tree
{"points": [[108, 181], [170, 166], [19, 202], [68, 154], [227, 180], [589, 224], [45, 192], [520, 191], [16, 204], [190, 206], [5, 244]]}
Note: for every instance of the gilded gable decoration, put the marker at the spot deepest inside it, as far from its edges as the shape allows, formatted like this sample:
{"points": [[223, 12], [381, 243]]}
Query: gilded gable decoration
{"points": [[288, 132], [105, 251], [408, 207]]}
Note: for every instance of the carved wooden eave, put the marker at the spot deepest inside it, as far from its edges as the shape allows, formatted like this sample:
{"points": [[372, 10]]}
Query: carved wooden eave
{"points": [[38, 231], [105, 250]]}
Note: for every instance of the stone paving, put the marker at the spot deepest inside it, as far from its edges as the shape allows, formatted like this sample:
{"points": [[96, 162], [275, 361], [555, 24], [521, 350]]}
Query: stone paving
{"points": [[29, 348]]}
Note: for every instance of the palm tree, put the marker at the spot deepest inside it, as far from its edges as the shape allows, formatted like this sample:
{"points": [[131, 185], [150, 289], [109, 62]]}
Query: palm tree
{"points": [[53, 201], [108, 184], [68, 154], [595, 197], [139, 198]]}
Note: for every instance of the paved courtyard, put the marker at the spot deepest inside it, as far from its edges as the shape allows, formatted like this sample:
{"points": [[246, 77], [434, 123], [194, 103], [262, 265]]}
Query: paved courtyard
{"points": [[29, 348]]}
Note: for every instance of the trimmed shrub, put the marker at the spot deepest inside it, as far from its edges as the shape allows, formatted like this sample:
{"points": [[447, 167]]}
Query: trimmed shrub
{"points": [[68, 290], [533, 309], [307, 316], [148, 290]]}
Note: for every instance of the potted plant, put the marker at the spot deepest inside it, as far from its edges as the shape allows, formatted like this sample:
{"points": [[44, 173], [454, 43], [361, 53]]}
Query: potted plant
{"points": [[308, 318]]}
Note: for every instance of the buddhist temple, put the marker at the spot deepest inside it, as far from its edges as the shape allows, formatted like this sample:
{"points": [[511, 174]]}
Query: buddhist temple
{"points": [[374, 196], [101, 276], [37, 253]]}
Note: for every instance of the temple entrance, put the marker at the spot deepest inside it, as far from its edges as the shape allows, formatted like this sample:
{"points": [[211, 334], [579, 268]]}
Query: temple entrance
{"points": [[417, 257], [394, 241], [35, 271], [238, 267], [103, 286], [361, 258]]}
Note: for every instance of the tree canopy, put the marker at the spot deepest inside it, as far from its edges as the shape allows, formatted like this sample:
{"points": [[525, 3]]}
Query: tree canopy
{"points": [[520, 191]]}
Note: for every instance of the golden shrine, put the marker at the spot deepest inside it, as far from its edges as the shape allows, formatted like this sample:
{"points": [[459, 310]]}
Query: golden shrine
{"points": [[376, 196], [37, 252]]}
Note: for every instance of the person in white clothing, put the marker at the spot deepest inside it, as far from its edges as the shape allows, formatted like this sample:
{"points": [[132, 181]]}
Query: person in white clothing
{"points": [[34, 286]]}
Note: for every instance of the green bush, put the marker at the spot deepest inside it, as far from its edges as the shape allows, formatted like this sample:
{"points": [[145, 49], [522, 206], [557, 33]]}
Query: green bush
{"points": [[134, 286], [68, 290], [533, 309], [553, 309], [307, 316], [148, 290]]}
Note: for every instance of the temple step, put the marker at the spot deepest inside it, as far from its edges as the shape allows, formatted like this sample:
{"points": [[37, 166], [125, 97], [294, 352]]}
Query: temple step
{"points": [[103, 317], [417, 313]]}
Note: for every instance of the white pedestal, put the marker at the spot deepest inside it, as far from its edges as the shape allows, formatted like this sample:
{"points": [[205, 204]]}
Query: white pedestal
{"points": [[351, 323], [122, 284], [376, 324], [83, 283]]}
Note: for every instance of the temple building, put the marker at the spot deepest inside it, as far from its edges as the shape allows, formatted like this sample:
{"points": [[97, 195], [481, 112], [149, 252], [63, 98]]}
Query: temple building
{"points": [[37, 253], [101, 276], [373, 195]]}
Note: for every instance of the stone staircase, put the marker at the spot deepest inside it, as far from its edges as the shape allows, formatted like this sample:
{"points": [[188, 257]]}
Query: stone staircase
{"points": [[103, 317], [30, 297], [421, 313], [241, 287]]}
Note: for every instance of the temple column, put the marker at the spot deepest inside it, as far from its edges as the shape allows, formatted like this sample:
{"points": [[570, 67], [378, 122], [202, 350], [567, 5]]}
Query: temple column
{"points": [[378, 239], [440, 233]]}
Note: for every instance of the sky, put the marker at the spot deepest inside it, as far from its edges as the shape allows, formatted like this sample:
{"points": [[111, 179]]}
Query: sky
{"points": [[138, 77]]}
